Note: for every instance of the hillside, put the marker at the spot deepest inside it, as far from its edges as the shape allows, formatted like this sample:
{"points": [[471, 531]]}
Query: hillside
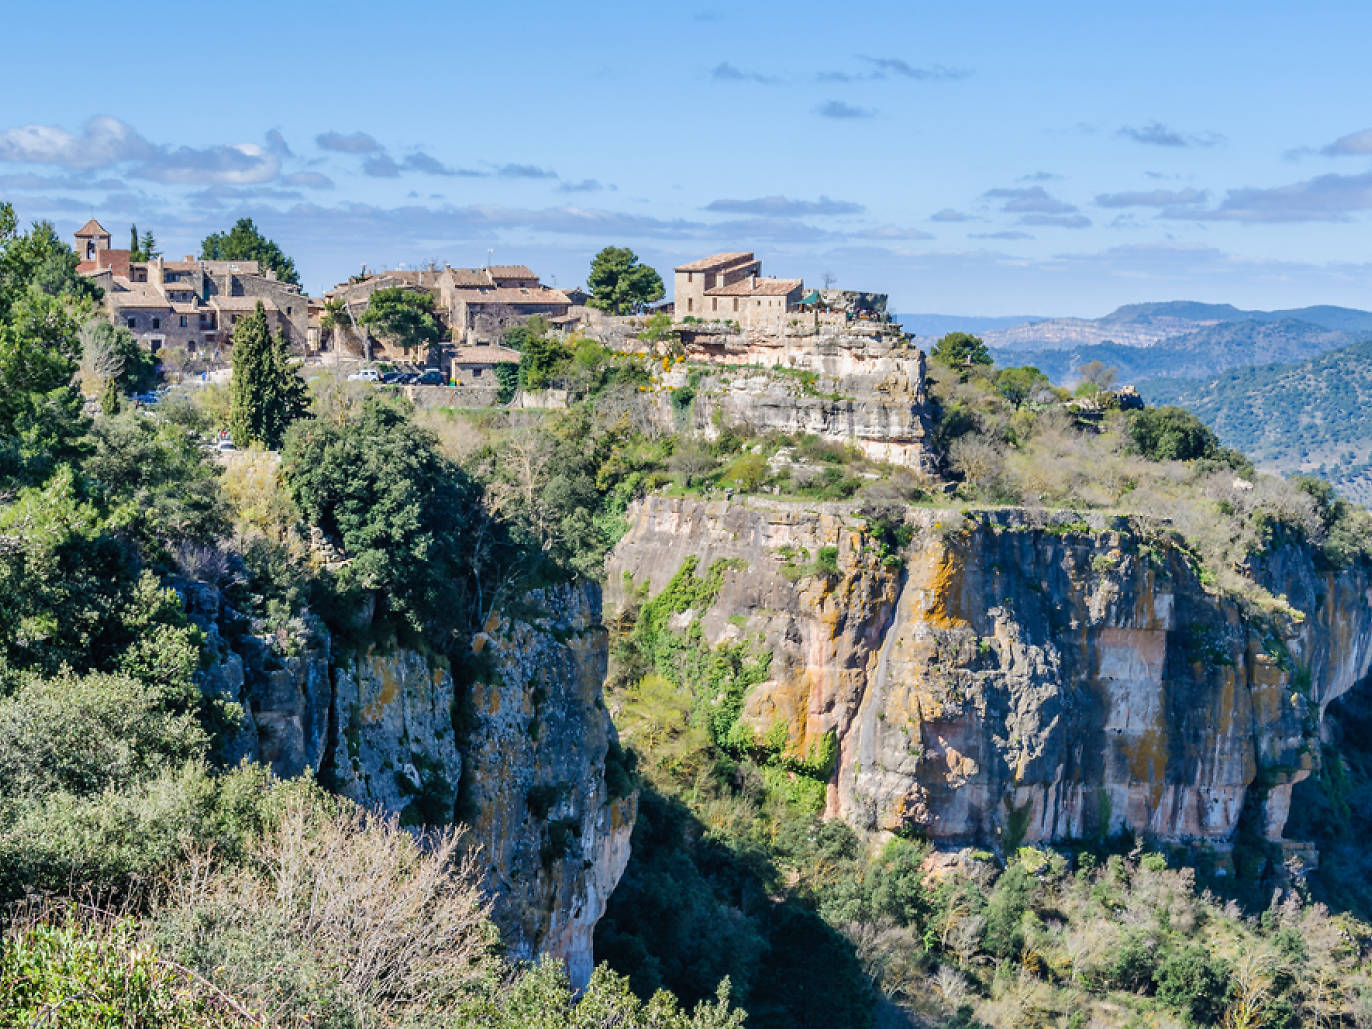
{"points": [[1308, 416], [1176, 323], [1192, 355]]}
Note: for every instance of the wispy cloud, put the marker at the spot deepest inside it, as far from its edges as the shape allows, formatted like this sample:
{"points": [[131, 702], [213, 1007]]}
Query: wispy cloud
{"points": [[381, 166], [308, 180], [1153, 198], [232, 164], [584, 186], [892, 232], [1355, 144], [1003, 234], [1155, 133], [524, 171], [886, 67], [1058, 221], [348, 143], [1040, 176], [30, 180], [843, 111], [1325, 198], [428, 165], [949, 215], [726, 72], [785, 207], [1028, 200], [923, 73], [103, 141]]}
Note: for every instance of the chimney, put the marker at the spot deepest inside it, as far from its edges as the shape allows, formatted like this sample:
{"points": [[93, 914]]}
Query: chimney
{"points": [[752, 282]]}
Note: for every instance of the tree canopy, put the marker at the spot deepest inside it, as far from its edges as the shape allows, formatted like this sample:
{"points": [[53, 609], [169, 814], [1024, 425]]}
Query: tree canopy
{"points": [[266, 393], [618, 282], [244, 242], [960, 349], [402, 317]]}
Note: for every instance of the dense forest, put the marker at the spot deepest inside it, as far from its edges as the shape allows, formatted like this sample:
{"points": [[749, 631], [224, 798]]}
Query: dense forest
{"points": [[1310, 416]]}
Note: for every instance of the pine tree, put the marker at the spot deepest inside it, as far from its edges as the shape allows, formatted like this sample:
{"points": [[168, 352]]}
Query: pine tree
{"points": [[148, 248], [265, 394]]}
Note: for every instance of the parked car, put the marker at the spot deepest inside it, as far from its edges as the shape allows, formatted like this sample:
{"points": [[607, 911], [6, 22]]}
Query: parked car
{"points": [[390, 378], [432, 377], [225, 444], [365, 375]]}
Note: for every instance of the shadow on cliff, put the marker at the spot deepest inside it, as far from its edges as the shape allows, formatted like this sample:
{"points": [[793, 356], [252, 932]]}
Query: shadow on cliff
{"points": [[1334, 808], [691, 910]]}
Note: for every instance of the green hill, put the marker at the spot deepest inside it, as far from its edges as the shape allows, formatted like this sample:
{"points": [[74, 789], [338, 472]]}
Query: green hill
{"points": [[1195, 354], [1308, 416]]}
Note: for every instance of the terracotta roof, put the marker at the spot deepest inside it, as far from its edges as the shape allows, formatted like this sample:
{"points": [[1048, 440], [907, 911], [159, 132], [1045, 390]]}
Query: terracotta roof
{"points": [[759, 288], [92, 228], [511, 271], [469, 277], [714, 261], [513, 295], [141, 295], [485, 355]]}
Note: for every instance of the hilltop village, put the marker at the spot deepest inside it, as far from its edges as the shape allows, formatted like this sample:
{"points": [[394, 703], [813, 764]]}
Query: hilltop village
{"points": [[723, 309]]}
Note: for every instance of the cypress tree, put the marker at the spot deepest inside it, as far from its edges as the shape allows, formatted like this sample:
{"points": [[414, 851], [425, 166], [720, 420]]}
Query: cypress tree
{"points": [[133, 244], [265, 393]]}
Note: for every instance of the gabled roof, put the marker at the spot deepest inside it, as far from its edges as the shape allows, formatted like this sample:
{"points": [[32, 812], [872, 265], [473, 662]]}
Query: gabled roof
{"points": [[92, 228], [514, 295], [511, 271], [470, 277], [724, 260], [758, 288], [485, 355]]}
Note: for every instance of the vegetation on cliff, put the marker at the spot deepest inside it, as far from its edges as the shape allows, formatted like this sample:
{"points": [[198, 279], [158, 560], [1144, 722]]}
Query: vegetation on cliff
{"points": [[143, 881]]}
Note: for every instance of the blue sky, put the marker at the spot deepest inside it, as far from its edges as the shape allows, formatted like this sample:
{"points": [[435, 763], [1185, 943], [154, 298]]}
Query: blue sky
{"points": [[981, 158]]}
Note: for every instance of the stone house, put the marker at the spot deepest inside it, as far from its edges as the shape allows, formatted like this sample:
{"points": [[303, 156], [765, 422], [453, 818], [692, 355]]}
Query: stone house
{"points": [[475, 366], [191, 304], [476, 305], [730, 287]]}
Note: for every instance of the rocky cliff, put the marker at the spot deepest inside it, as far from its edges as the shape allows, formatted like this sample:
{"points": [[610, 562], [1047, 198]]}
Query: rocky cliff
{"points": [[1012, 678], [519, 752]]}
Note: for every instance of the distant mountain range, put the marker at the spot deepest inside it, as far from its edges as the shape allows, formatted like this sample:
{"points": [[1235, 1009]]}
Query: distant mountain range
{"points": [[1312, 416], [1178, 338], [929, 327]]}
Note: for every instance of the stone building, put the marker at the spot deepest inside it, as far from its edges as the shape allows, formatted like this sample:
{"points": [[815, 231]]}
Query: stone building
{"points": [[476, 305], [190, 304], [475, 366], [730, 287]]}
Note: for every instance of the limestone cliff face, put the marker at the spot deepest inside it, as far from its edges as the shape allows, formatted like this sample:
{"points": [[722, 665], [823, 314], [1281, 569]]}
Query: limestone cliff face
{"points": [[858, 391], [520, 758], [1007, 679]]}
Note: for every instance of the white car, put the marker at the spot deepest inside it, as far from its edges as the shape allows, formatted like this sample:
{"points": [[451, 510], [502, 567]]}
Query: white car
{"points": [[365, 375]]}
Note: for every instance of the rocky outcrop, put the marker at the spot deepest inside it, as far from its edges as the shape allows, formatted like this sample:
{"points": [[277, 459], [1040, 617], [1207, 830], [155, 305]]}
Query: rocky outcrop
{"points": [[518, 753], [1009, 677], [866, 390]]}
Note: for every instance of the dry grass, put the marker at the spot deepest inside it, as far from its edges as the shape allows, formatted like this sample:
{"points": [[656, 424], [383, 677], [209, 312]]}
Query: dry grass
{"points": [[340, 912]]}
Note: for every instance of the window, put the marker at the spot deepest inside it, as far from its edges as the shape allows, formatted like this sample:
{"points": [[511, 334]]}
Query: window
{"points": [[690, 303], [157, 323], [476, 373], [288, 312], [154, 345], [183, 321], [132, 322], [714, 303], [735, 304]]}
